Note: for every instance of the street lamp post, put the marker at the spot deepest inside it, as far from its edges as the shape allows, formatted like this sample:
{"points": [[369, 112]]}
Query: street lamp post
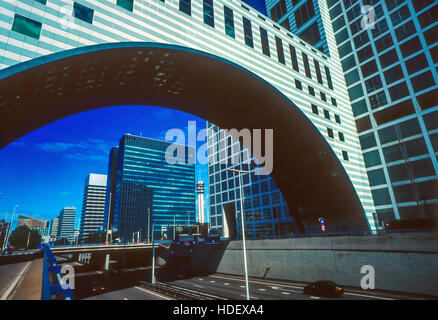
{"points": [[149, 225], [153, 256], [245, 262]]}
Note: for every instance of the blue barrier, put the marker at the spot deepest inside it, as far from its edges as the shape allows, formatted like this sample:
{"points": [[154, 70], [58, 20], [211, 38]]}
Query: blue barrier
{"points": [[52, 273]]}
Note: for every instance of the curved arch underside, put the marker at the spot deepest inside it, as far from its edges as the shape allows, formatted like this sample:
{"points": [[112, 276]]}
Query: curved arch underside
{"points": [[46, 89]]}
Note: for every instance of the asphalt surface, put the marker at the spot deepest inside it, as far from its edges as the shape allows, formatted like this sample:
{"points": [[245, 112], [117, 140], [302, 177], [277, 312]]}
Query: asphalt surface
{"points": [[8, 274], [233, 287], [133, 293]]}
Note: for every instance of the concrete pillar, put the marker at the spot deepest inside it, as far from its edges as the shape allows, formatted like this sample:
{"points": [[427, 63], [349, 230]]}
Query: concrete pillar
{"points": [[107, 262]]}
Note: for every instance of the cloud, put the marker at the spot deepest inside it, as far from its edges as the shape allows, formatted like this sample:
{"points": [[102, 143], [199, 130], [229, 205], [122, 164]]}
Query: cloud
{"points": [[59, 146]]}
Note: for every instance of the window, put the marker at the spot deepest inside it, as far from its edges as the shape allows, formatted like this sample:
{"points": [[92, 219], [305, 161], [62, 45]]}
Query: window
{"points": [[326, 114], [393, 74], [330, 132], [323, 96], [285, 24], [361, 39], [363, 124], [384, 42], [329, 77], [365, 53], [27, 26], [293, 56], [410, 47], [416, 64], [265, 41], [354, 13], [304, 13], [306, 65], [247, 30], [334, 103], [298, 84], [428, 17], [421, 4], [373, 84], [208, 13], [372, 159], [42, 1], [422, 81], [278, 10], [229, 21], [381, 196], [431, 35], [400, 15], [348, 63], [369, 68], [337, 118], [315, 109], [398, 91], [318, 71], [345, 49], [376, 177], [379, 28], [345, 155], [341, 136], [405, 30], [355, 92], [338, 23], [367, 141], [185, 6], [388, 58], [311, 91], [126, 4], [352, 77], [378, 100], [83, 13], [311, 34], [280, 52]]}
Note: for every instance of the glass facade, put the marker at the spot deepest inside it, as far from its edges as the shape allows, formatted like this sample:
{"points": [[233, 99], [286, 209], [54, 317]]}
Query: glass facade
{"points": [[146, 184], [266, 213], [392, 75]]}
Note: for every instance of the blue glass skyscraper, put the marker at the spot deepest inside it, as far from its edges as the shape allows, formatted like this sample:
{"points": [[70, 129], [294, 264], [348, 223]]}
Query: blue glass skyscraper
{"points": [[146, 183]]}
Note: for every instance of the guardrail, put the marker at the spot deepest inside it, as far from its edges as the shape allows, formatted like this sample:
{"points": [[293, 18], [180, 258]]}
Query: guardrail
{"points": [[52, 288], [179, 292]]}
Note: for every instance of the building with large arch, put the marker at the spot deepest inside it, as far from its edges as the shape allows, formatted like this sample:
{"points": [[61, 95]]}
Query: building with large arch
{"points": [[228, 30]]}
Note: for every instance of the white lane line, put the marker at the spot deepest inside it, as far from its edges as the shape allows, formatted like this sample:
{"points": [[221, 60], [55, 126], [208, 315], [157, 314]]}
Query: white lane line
{"points": [[15, 282], [274, 287], [284, 292], [261, 289], [226, 284], [125, 298], [253, 298], [367, 296], [242, 286], [198, 286], [153, 293], [200, 279], [313, 297], [212, 281]]}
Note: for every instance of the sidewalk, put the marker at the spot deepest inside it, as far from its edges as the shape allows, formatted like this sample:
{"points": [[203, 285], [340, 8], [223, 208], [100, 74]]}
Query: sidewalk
{"points": [[29, 287]]}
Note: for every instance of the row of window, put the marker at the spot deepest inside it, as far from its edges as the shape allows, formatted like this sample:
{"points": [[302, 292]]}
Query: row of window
{"points": [[32, 28]]}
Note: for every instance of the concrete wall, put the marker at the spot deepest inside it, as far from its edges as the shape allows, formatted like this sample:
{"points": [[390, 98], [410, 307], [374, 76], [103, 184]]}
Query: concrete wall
{"points": [[402, 262]]}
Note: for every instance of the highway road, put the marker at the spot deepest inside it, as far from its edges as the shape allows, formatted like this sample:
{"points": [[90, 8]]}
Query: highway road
{"points": [[233, 287], [10, 274], [133, 293]]}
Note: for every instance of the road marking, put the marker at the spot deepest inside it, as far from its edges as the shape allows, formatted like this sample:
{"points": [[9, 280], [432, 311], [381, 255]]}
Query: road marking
{"points": [[212, 281], [200, 279], [313, 297], [284, 292], [244, 295], [15, 282], [274, 287], [153, 293], [367, 296], [125, 298], [226, 284], [198, 286], [261, 289], [242, 286]]}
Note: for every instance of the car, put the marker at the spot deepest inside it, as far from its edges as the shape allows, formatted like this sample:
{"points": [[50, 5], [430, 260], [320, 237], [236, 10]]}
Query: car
{"points": [[325, 288], [7, 251], [96, 288]]}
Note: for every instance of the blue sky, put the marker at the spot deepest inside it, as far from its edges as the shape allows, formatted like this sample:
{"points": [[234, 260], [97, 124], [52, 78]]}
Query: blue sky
{"points": [[45, 170]]}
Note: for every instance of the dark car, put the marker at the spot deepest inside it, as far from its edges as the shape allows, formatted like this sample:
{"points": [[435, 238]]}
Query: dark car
{"points": [[96, 288], [324, 288]]}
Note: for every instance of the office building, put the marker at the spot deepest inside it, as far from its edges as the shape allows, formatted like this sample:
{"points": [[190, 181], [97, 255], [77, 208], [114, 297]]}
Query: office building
{"points": [[4, 228], [54, 228], [148, 189], [200, 201], [31, 223], [93, 205], [67, 224]]}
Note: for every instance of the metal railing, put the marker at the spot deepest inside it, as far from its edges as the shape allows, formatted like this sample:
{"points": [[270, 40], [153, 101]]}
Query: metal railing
{"points": [[179, 292], [53, 286]]}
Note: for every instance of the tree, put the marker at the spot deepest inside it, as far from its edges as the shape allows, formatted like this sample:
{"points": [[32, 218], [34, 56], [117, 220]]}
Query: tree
{"points": [[96, 237], [20, 236]]}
